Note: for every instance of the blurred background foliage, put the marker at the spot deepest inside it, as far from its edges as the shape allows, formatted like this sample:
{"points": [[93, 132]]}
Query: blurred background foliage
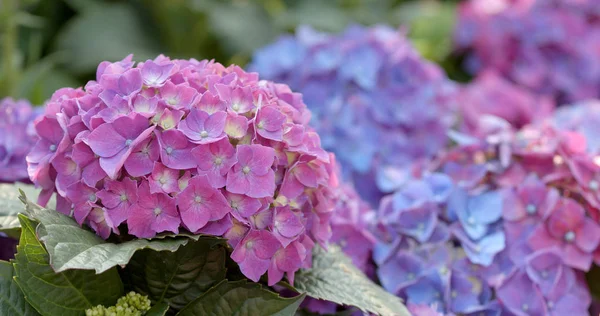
{"points": [[48, 44]]}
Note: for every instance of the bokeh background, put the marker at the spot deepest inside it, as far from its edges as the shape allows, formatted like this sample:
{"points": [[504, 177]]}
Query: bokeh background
{"points": [[48, 44]]}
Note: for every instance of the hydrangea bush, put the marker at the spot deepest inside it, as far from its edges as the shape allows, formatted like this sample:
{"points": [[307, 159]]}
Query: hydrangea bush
{"points": [[499, 227], [170, 145], [197, 186], [377, 104], [547, 46]]}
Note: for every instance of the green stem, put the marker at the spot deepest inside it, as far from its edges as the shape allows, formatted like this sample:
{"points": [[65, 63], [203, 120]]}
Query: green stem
{"points": [[9, 46]]}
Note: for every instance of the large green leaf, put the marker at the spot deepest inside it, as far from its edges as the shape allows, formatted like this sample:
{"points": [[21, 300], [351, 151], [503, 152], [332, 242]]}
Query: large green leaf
{"points": [[65, 293], [242, 298], [72, 247], [179, 277], [334, 278], [12, 301], [10, 206]]}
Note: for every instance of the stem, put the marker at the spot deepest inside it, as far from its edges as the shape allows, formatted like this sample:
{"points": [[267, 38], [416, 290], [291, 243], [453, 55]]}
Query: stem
{"points": [[9, 46]]}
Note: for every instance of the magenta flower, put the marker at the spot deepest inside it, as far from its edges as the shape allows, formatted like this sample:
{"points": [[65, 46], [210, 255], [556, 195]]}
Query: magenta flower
{"points": [[200, 203], [118, 197], [203, 128], [242, 206], [269, 123], [120, 86], [68, 173], [286, 260], [215, 160], [142, 158], [92, 172], [84, 198], [51, 142], [175, 150], [254, 253], [180, 96], [152, 214], [114, 142], [239, 99], [154, 74], [287, 225], [163, 179], [570, 230], [236, 126], [100, 222], [171, 145], [252, 174]]}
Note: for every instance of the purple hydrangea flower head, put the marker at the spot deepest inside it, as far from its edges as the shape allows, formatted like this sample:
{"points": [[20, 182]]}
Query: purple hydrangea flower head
{"points": [[515, 224], [490, 94], [376, 103], [17, 138], [547, 47], [184, 145]]}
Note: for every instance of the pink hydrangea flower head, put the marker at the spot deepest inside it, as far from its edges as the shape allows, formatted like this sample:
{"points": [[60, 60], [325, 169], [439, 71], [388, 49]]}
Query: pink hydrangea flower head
{"points": [[167, 145]]}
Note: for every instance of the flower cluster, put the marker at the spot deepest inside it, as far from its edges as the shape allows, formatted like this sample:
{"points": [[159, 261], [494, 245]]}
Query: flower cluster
{"points": [[547, 46], [377, 104], [132, 304], [504, 227], [17, 137], [490, 94], [169, 144]]}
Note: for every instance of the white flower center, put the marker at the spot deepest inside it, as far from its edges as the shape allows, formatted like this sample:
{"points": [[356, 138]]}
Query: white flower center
{"points": [[203, 134], [52, 148], [569, 236], [531, 209], [157, 211], [198, 199], [246, 170], [128, 142], [92, 197], [169, 150], [123, 197]]}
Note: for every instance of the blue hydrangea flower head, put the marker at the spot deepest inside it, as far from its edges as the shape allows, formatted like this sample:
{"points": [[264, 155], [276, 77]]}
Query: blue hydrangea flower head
{"points": [[375, 101]]}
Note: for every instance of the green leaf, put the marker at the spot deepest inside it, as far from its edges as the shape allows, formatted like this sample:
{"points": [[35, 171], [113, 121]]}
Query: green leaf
{"points": [[66, 293], [10, 206], [159, 309], [72, 247], [108, 32], [334, 278], [179, 277], [242, 298], [12, 301]]}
